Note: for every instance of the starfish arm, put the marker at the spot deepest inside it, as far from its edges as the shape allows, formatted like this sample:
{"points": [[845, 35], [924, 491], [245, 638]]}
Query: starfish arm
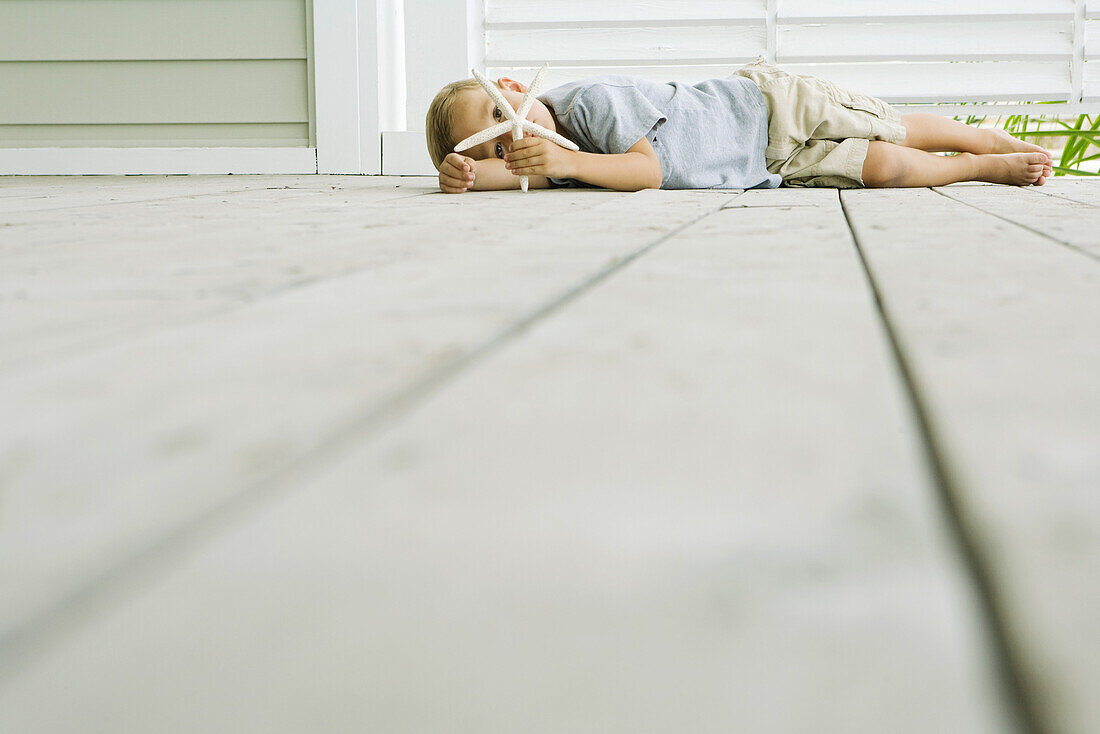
{"points": [[517, 134], [492, 90], [529, 97], [487, 134], [536, 129]]}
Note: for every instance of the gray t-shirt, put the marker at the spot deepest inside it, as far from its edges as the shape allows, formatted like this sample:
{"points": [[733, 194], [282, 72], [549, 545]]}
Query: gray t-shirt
{"points": [[711, 135]]}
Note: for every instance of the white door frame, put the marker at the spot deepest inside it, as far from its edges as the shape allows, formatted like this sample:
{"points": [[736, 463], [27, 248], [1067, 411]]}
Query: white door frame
{"points": [[345, 56]]}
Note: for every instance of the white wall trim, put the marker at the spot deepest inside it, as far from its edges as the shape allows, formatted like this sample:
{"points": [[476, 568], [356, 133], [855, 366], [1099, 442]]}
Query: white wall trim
{"points": [[475, 34], [405, 153], [444, 40], [392, 82], [122, 161], [346, 63]]}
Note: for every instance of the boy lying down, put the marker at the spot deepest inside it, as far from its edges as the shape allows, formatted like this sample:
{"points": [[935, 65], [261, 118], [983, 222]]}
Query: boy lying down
{"points": [[758, 128]]}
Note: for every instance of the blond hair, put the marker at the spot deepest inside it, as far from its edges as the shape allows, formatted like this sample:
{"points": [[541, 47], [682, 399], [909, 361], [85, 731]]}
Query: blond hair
{"points": [[439, 123]]}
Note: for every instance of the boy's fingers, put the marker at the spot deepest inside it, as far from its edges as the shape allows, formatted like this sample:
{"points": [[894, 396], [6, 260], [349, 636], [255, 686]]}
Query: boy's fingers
{"points": [[528, 167], [523, 143], [456, 173], [522, 154], [457, 183], [458, 162]]}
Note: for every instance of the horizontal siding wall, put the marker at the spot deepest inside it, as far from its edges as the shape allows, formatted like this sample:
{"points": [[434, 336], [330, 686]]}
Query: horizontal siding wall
{"points": [[932, 51], [154, 73]]}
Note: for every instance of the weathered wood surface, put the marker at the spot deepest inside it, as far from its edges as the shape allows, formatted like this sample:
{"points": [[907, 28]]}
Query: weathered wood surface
{"points": [[1073, 223], [1084, 190], [375, 458], [999, 326], [112, 448], [176, 258], [56, 193], [691, 499]]}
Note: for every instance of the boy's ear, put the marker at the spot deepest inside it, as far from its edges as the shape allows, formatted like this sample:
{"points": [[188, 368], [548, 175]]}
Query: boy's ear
{"points": [[506, 83]]}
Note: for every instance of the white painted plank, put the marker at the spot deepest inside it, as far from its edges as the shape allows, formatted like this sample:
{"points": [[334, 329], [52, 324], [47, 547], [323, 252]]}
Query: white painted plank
{"points": [[999, 327], [576, 12], [176, 259], [817, 10], [1092, 81], [1085, 190], [1092, 40], [624, 46], [736, 535], [935, 40], [113, 449], [24, 194], [895, 82], [946, 82], [1072, 223], [995, 110]]}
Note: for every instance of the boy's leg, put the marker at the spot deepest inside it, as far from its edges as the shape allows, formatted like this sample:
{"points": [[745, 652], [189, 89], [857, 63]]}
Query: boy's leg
{"points": [[891, 165], [936, 133]]}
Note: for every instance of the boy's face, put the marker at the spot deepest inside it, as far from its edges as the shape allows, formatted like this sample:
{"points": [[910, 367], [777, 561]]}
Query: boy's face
{"points": [[474, 110]]}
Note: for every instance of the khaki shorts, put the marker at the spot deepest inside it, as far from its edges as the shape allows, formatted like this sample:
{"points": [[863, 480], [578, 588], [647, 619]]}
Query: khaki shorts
{"points": [[818, 133]]}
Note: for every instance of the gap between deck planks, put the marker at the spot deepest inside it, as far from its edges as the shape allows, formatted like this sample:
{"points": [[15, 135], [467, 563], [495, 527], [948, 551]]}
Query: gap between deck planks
{"points": [[121, 448], [1072, 222], [740, 534], [998, 328]]}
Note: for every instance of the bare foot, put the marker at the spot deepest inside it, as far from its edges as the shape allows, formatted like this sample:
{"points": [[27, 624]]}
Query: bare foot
{"points": [[1018, 169], [1047, 173], [1002, 142]]}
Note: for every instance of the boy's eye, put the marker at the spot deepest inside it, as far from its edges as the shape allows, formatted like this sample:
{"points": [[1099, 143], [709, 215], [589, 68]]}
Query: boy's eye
{"points": [[497, 114], [500, 150]]}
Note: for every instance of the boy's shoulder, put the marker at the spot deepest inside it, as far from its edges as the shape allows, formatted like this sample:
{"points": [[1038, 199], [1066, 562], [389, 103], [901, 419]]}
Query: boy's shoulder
{"points": [[596, 89], [605, 81]]}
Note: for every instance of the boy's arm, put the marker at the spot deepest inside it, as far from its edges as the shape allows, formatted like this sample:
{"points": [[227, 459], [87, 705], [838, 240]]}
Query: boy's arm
{"points": [[491, 175], [638, 168], [461, 173]]}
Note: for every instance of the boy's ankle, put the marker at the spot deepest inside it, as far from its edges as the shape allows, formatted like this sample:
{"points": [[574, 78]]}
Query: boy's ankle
{"points": [[973, 163]]}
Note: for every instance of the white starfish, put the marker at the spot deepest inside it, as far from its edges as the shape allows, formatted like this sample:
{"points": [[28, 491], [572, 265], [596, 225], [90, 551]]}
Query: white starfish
{"points": [[517, 119]]}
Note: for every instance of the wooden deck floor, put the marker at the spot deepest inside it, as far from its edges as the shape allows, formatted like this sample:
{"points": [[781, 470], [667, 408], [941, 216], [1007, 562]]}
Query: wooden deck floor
{"points": [[335, 454]]}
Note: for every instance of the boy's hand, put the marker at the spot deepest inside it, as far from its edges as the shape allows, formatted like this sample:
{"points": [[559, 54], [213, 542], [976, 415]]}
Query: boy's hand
{"points": [[535, 156], [457, 173]]}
